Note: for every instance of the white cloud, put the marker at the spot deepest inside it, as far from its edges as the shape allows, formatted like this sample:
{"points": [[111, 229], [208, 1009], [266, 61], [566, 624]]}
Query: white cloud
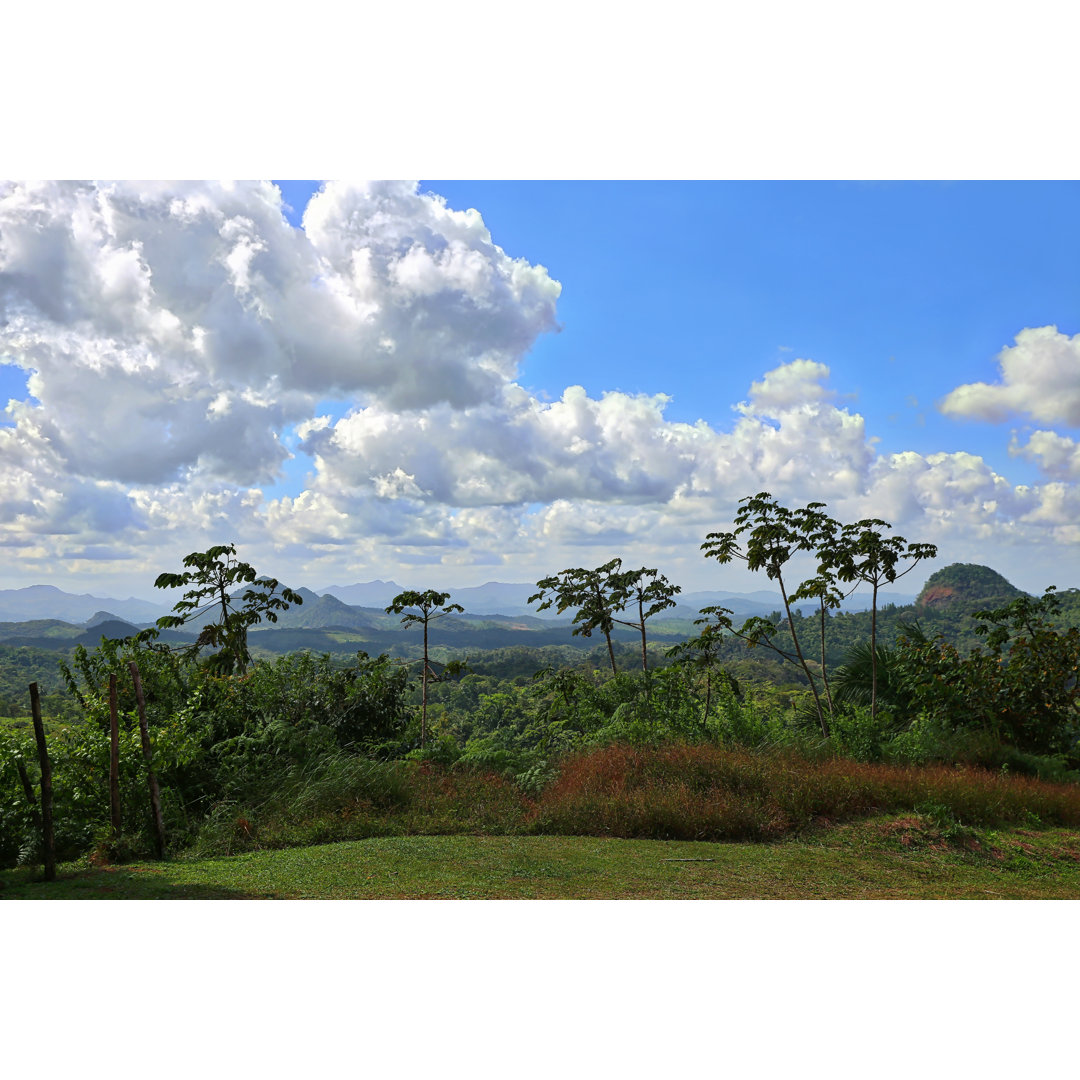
{"points": [[173, 330], [1040, 377], [616, 448], [796, 383], [179, 336], [1057, 455]]}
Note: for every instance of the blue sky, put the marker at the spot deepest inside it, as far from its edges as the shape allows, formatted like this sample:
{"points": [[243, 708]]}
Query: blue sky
{"points": [[384, 395], [693, 289]]}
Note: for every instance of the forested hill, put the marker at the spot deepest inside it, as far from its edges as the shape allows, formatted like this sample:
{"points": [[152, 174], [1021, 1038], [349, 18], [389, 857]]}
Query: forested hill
{"points": [[946, 605], [968, 587]]}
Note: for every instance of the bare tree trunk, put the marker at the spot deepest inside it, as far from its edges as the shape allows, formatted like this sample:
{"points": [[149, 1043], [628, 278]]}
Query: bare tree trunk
{"points": [[47, 835], [802, 659], [114, 760], [824, 672], [155, 797], [423, 698], [873, 655], [611, 653], [641, 623]]}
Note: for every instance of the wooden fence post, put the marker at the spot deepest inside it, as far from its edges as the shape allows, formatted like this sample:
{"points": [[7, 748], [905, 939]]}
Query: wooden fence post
{"points": [[114, 760], [47, 837], [155, 798], [28, 789]]}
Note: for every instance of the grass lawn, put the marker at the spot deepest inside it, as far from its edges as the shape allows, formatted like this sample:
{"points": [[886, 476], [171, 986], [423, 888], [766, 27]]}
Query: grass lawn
{"points": [[899, 857]]}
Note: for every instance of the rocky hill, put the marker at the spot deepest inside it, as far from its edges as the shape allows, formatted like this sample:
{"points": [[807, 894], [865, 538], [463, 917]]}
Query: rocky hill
{"points": [[966, 587]]}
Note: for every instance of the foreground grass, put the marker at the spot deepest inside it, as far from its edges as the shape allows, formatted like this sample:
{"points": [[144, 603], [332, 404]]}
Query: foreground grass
{"points": [[906, 857]]}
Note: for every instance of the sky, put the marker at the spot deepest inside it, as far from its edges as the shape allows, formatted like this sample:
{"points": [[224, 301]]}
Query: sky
{"points": [[445, 383]]}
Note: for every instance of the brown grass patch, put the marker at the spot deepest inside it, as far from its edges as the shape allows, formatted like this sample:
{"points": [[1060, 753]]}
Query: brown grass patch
{"points": [[704, 792]]}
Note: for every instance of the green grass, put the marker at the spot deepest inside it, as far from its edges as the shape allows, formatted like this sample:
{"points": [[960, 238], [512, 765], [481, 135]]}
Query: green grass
{"points": [[897, 857]]}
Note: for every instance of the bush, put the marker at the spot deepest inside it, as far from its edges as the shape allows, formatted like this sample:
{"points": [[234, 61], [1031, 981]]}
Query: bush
{"points": [[1023, 690]]}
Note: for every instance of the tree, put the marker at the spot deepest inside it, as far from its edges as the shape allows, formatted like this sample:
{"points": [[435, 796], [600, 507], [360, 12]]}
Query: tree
{"points": [[820, 531], [593, 592], [429, 605], [214, 573], [773, 534], [704, 651], [823, 589], [647, 590], [862, 553]]}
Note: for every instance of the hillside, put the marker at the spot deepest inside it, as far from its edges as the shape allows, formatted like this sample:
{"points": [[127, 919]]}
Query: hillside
{"points": [[966, 587], [48, 602]]}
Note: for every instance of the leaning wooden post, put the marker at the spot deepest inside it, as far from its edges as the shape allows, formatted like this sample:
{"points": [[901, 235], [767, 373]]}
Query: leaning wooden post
{"points": [[47, 838], [28, 790], [114, 760], [155, 798]]}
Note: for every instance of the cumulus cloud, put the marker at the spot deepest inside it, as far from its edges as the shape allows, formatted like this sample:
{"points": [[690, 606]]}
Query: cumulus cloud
{"points": [[1057, 455], [799, 382], [1040, 377], [181, 341], [173, 330], [617, 448]]}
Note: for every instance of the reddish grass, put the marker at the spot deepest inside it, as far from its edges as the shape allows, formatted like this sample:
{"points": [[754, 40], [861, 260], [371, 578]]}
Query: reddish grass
{"points": [[455, 802], [702, 792]]}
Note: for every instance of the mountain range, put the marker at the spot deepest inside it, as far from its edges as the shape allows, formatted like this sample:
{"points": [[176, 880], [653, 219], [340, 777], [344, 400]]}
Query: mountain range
{"points": [[49, 602], [361, 605], [326, 622]]}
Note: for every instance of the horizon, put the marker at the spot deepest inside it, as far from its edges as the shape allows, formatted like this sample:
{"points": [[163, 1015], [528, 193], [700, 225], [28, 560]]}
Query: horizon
{"points": [[449, 383], [163, 599]]}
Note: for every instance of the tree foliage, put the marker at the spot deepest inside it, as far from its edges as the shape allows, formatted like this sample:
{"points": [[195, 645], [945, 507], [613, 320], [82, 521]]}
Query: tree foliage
{"points": [[766, 536], [649, 592], [1022, 689], [215, 574], [595, 594]]}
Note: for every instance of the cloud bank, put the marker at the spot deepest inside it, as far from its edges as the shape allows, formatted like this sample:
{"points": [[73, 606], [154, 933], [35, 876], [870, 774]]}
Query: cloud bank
{"points": [[183, 342]]}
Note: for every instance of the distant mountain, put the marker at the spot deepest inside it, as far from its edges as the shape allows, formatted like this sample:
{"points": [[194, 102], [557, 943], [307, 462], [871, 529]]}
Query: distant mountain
{"points": [[110, 628], [22, 632], [49, 602], [968, 587], [494, 598], [360, 606], [100, 617], [761, 602], [325, 612], [498, 598], [511, 599], [365, 593]]}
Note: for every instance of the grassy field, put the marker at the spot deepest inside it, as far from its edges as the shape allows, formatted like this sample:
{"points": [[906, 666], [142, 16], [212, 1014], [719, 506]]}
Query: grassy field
{"points": [[897, 857]]}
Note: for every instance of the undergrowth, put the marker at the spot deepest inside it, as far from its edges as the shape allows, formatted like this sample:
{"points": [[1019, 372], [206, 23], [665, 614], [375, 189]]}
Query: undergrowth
{"points": [[705, 792], [674, 792]]}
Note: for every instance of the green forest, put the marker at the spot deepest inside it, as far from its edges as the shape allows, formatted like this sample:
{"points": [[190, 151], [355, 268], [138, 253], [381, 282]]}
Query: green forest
{"points": [[963, 707]]}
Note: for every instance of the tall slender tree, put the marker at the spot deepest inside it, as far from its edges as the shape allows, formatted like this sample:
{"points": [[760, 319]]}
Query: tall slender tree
{"points": [[821, 532], [863, 553], [650, 593], [428, 606], [703, 652], [765, 537]]}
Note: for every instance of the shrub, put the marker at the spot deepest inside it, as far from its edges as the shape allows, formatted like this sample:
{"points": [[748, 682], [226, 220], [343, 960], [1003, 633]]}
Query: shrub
{"points": [[1023, 690]]}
